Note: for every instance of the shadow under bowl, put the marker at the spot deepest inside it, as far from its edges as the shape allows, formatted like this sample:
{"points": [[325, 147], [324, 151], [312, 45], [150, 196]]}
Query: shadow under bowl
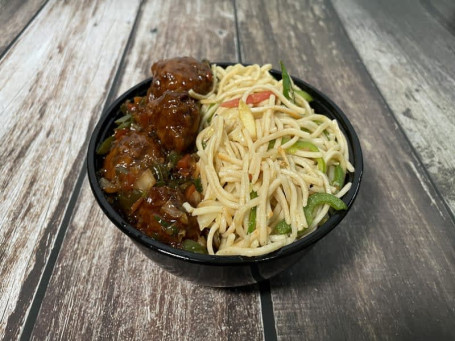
{"points": [[223, 271]]}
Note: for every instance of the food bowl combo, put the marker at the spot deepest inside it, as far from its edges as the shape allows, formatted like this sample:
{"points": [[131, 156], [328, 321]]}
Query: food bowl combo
{"points": [[215, 270]]}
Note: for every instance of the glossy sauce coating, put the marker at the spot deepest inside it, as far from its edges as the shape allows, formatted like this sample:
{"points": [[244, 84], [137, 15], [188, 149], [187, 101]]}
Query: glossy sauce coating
{"points": [[180, 74], [131, 153], [149, 170], [174, 118]]}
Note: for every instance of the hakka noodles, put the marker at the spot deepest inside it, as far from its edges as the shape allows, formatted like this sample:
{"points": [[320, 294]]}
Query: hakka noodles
{"points": [[225, 161]]}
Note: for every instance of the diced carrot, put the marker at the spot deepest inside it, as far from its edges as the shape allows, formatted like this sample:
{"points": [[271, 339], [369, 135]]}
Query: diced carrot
{"points": [[254, 99], [184, 162], [258, 97]]}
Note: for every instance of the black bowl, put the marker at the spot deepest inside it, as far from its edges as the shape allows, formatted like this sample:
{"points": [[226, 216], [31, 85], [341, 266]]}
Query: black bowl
{"points": [[222, 271]]}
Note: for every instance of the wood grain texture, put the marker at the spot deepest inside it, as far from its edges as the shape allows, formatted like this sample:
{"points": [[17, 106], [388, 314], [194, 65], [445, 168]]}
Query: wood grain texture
{"points": [[14, 17], [103, 287], [53, 85], [387, 272], [408, 48]]}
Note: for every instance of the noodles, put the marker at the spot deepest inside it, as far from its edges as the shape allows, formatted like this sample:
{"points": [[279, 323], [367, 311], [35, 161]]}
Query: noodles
{"points": [[259, 164]]}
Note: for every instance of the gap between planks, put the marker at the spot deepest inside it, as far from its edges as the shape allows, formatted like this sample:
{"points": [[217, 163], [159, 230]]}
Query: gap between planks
{"points": [[45, 279]]}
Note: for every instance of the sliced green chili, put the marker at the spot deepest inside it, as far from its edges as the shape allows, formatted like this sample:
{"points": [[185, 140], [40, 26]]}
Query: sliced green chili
{"points": [[305, 95], [338, 178], [288, 90], [105, 146], [252, 216], [317, 199], [283, 228], [192, 246]]}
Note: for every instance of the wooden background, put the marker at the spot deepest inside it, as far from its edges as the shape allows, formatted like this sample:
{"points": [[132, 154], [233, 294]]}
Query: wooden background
{"points": [[387, 272]]}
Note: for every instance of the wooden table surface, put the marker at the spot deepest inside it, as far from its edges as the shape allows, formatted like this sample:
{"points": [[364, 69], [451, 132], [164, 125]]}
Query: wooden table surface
{"points": [[387, 272]]}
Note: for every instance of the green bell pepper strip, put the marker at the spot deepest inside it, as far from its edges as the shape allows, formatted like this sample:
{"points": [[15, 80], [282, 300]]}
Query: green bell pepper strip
{"points": [[252, 216], [338, 179], [192, 246], [317, 199], [305, 95], [300, 145], [288, 90], [283, 228]]}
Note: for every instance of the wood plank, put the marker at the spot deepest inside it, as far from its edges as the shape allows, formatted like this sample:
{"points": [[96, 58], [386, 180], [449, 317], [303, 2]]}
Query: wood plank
{"points": [[14, 17], [102, 286], [409, 49], [53, 85], [387, 272]]}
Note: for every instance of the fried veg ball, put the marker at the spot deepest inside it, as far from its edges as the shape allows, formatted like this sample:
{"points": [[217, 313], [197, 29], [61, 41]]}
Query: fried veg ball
{"points": [[173, 117], [180, 74], [162, 217], [131, 153]]}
